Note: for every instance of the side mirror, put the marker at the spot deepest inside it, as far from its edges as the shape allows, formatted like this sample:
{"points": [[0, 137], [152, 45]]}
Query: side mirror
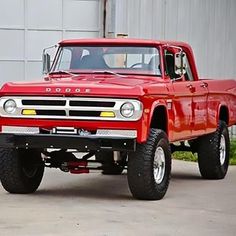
{"points": [[47, 58], [180, 63], [46, 63]]}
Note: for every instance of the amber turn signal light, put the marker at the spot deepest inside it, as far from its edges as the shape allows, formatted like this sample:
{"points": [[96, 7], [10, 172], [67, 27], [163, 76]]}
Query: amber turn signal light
{"points": [[28, 112], [107, 114]]}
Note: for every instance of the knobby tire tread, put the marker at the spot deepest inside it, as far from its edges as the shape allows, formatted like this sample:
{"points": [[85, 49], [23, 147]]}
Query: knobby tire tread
{"points": [[141, 181], [209, 155], [11, 175]]}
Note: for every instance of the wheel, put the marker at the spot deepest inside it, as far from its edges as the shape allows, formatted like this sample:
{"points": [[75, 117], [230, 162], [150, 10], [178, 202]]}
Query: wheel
{"points": [[21, 170], [149, 167], [109, 166], [213, 153]]}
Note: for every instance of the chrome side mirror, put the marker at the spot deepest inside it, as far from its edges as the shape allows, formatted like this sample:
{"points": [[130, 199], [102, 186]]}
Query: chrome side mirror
{"points": [[180, 63], [46, 58], [46, 63]]}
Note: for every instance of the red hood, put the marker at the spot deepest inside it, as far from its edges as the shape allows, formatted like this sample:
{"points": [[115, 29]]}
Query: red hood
{"points": [[89, 85]]}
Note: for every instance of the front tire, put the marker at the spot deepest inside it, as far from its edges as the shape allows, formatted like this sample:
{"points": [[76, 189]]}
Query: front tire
{"points": [[21, 170], [149, 167], [213, 153]]}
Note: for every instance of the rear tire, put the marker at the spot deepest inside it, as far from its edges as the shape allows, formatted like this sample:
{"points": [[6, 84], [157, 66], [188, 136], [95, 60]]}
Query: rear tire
{"points": [[21, 170], [213, 153], [149, 167]]}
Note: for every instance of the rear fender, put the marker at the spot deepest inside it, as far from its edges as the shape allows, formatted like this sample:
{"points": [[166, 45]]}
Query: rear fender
{"points": [[222, 114]]}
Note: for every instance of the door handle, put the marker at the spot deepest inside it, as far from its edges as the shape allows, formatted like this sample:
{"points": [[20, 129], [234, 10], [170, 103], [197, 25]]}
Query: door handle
{"points": [[204, 85], [191, 88]]}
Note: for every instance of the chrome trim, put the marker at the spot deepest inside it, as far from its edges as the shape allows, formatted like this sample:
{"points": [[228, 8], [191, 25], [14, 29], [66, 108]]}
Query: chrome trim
{"points": [[19, 130], [99, 133], [117, 133], [116, 109]]}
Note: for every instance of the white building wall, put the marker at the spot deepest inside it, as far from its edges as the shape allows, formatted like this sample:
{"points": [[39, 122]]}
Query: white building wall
{"points": [[28, 26], [208, 25]]}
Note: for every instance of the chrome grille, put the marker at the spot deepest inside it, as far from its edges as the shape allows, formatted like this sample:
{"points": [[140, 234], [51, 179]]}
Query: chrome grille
{"points": [[82, 108], [34, 102], [92, 103]]}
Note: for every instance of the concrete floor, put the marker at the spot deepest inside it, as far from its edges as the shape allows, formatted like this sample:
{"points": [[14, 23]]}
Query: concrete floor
{"points": [[102, 205]]}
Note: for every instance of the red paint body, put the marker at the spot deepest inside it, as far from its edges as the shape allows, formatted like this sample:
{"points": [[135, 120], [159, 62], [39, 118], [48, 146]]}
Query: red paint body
{"points": [[192, 108]]}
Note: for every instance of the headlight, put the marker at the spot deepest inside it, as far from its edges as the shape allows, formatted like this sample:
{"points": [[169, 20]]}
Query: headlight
{"points": [[10, 106], [127, 109]]}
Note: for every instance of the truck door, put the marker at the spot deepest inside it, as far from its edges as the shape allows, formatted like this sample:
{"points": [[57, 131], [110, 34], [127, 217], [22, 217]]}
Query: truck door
{"points": [[199, 91], [181, 101]]}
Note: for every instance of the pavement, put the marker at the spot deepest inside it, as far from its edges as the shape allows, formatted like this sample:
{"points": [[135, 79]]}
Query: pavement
{"points": [[102, 205]]}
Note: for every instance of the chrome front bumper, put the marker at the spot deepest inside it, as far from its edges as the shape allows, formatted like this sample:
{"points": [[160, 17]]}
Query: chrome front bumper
{"points": [[29, 137]]}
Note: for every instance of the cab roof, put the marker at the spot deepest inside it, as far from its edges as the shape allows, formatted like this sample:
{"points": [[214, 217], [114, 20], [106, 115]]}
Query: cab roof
{"points": [[121, 41]]}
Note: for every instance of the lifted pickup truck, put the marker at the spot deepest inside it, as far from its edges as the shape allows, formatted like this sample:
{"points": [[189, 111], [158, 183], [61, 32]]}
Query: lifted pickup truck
{"points": [[123, 103]]}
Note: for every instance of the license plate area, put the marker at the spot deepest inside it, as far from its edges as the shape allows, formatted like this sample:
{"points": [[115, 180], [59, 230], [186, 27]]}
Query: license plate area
{"points": [[70, 130], [64, 130]]}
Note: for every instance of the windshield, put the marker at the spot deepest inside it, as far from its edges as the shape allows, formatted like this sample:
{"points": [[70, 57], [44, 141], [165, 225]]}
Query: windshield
{"points": [[120, 60]]}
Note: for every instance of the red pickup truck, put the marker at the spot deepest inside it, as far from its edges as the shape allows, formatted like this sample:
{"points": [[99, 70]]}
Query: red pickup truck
{"points": [[122, 103]]}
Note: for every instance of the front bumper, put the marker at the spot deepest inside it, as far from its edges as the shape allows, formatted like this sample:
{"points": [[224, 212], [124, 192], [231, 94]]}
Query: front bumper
{"points": [[81, 143]]}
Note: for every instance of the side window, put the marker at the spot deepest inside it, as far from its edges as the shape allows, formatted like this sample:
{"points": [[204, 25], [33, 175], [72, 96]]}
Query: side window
{"points": [[188, 75], [170, 65]]}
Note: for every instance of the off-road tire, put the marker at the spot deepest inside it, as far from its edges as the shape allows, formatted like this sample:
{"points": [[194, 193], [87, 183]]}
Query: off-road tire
{"points": [[109, 167], [209, 151], [141, 178], [21, 170]]}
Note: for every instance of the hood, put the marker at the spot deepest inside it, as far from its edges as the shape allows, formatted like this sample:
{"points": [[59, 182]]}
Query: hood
{"points": [[85, 85]]}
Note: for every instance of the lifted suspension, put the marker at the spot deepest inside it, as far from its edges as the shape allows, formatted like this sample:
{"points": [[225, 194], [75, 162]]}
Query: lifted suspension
{"points": [[68, 162]]}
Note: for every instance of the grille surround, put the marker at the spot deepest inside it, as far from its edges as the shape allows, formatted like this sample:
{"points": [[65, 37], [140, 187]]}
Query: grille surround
{"points": [[48, 105]]}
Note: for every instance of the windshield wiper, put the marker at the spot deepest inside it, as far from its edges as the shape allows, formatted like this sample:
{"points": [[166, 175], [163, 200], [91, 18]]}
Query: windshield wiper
{"points": [[107, 72], [92, 72], [62, 72]]}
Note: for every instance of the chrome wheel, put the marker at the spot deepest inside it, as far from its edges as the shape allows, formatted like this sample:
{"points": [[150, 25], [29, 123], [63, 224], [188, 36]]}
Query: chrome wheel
{"points": [[222, 150], [149, 167], [159, 165]]}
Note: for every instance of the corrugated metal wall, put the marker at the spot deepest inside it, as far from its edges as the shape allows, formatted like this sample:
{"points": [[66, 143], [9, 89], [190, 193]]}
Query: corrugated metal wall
{"points": [[208, 25], [28, 26]]}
